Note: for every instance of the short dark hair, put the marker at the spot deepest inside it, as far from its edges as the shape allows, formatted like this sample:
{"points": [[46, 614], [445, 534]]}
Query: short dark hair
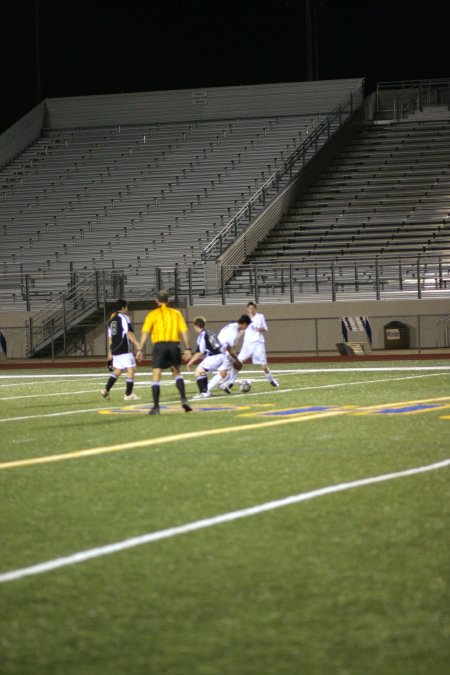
{"points": [[251, 304], [120, 304], [245, 319], [162, 296], [200, 321]]}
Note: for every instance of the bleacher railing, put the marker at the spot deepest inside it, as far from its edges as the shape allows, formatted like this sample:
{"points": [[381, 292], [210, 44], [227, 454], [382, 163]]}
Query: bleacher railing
{"points": [[86, 294], [371, 278], [399, 99], [289, 170]]}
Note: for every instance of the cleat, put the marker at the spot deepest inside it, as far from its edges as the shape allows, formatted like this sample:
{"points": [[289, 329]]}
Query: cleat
{"points": [[197, 397], [185, 405], [154, 410], [206, 394], [131, 397], [274, 383], [226, 387], [105, 394]]}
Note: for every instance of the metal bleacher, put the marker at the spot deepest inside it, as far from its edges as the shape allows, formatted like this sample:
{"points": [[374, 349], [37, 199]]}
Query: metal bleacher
{"points": [[387, 192], [132, 197], [385, 196]]}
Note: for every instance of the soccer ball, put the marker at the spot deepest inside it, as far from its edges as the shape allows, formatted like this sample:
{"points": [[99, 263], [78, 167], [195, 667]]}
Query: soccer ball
{"points": [[245, 386]]}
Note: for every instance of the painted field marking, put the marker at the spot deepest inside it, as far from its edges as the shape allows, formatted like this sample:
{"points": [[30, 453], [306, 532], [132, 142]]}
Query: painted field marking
{"points": [[116, 547], [297, 416], [64, 413], [374, 408], [252, 394], [402, 407], [409, 409], [282, 371], [48, 395], [220, 406], [148, 442]]}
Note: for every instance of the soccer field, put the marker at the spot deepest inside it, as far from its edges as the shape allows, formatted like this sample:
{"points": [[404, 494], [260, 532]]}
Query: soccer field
{"points": [[298, 530]]}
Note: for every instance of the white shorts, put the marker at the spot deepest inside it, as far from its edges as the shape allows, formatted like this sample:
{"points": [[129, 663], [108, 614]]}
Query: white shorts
{"points": [[124, 361], [257, 353], [214, 362]]}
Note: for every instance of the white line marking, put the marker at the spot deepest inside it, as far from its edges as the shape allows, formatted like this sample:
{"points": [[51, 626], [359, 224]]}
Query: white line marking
{"points": [[362, 369], [351, 384], [252, 394], [82, 556], [58, 414], [47, 394], [287, 371]]}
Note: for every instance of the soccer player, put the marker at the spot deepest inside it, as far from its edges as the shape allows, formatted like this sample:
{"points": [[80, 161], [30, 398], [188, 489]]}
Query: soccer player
{"points": [[166, 327], [120, 334], [231, 364], [210, 350], [254, 343]]}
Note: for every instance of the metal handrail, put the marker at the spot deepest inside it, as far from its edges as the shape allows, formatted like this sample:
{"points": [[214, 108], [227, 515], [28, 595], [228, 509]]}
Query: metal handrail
{"points": [[58, 314], [408, 275], [422, 88], [216, 245]]}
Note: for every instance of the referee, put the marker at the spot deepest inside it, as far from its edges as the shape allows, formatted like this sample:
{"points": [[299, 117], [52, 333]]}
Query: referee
{"points": [[166, 326]]}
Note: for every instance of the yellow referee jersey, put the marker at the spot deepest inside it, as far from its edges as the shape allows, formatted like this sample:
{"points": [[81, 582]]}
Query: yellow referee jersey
{"points": [[164, 324]]}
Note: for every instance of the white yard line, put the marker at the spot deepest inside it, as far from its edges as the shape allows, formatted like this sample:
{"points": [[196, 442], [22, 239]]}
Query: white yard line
{"points": [[374, 369], [255, 371], [57, 414], [116, 547], [236, 395], [49, 394]]}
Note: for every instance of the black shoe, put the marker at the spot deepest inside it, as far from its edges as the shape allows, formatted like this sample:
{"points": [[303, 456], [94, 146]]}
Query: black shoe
{"points": [[185, 405], [227, 390], [154, 410]]}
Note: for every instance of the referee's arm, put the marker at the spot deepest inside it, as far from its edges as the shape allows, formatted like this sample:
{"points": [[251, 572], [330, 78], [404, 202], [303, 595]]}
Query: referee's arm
{"points": [[185, 337], [141, 343]]}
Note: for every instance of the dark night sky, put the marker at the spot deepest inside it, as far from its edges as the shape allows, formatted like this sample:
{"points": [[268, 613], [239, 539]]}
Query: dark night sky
{"points": [[111, 46]]}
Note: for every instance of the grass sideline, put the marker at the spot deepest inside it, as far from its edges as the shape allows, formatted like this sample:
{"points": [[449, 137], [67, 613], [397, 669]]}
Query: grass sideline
{"points": [[352, 582]]}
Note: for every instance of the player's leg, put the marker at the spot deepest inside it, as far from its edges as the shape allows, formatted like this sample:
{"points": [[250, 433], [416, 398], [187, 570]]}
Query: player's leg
{"points": [[112, 379], [131, 370], [233, 373], [218, 364], [156, 379], [233, 368], [259, 358], [179, 383], [201, 378], [175, 357]]}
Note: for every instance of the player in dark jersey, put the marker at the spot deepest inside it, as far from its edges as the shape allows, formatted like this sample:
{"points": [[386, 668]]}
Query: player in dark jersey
{"points": [[120, 337], [214, 356]]}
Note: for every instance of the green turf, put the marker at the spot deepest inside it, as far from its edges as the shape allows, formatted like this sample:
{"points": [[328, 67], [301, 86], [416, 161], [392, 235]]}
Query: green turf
{"points": [[351, 583]]}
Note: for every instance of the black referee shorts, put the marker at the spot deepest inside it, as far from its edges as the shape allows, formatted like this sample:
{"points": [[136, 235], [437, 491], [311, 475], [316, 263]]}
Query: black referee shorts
{"points": [[166, 354]]}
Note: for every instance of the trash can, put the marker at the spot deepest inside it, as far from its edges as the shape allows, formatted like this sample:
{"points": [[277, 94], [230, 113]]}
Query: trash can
{"points": [[396, 335]]}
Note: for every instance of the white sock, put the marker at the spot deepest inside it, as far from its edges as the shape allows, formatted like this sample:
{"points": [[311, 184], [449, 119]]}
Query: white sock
{"points": [[214, 381], [232, 375]]}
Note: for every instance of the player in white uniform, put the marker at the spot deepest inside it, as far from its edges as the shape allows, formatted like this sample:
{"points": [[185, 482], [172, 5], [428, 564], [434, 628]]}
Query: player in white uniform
{"points": [[209, 350], [120, 335], [254, 344], [218, 354]]}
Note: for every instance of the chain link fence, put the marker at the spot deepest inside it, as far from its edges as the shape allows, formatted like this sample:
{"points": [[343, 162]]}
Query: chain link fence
{"points": [[286, 337]]}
